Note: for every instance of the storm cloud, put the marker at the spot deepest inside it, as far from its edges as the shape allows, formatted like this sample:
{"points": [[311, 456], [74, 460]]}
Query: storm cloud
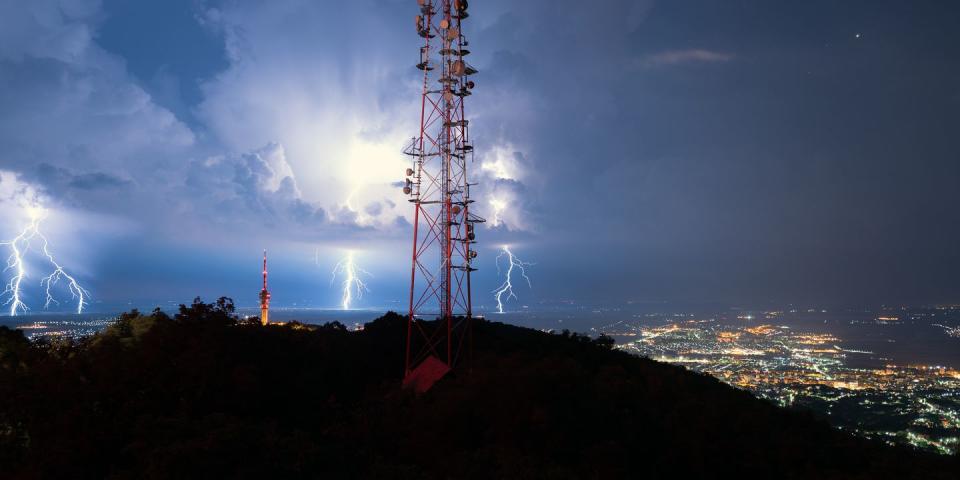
{"points": [[687, 151]]}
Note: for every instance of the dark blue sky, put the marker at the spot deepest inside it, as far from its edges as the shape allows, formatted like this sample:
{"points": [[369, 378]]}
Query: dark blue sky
{"points": [[739, 152]]}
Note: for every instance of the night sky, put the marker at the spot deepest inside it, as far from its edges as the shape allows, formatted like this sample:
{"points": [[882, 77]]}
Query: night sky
{"points": [[738, 152]]}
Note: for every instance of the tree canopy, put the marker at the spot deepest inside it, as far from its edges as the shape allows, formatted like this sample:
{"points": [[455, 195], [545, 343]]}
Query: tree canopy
{"points": [[205, 394]]}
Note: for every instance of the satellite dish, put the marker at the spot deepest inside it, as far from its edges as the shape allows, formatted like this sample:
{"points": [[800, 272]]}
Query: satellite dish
{"points": [[453, 33], [444, 24]]}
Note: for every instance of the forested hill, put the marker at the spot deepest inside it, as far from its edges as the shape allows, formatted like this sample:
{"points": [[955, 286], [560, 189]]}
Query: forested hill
{"points": [[203, 394]]}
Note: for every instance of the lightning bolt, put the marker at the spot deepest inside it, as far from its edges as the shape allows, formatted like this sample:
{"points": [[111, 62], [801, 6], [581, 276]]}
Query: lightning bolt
{"points": [[15, 262], [351, 273], [77, 292], [19, 246], [361, 217], [507, 287], [498, 207]]}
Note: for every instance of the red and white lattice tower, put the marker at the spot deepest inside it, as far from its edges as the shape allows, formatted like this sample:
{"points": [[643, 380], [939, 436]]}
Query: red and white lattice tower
{"points": [[443, 227]]}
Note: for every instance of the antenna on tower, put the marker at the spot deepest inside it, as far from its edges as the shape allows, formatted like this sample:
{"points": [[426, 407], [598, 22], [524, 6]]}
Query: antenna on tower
{"points": [[443, 227], [264, 295]]}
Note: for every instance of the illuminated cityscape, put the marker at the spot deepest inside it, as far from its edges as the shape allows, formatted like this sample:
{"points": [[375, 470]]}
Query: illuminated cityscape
{"points": [[815, 368]]}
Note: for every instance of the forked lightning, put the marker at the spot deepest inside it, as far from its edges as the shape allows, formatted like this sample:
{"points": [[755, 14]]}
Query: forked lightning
{"points": [[19, 246], [352, 281], [507, 287]]}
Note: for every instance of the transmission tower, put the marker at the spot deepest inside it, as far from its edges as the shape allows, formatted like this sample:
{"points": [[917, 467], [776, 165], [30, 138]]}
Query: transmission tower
{"points": [[443, 227], [264, 295]]}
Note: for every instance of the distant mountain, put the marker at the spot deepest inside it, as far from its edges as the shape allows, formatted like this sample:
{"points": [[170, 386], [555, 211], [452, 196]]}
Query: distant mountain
{"points": [[204, 395]]}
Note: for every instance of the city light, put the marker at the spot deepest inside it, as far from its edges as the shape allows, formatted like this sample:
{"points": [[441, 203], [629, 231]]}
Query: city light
{"points": [[811, 369]]}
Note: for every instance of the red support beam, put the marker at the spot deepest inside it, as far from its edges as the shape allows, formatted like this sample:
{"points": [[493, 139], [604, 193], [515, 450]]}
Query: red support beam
{"points": [[443, 230]]}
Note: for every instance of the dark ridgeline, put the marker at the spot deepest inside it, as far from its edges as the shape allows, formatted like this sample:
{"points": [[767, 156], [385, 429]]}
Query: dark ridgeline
{"points": [[204, 394]]}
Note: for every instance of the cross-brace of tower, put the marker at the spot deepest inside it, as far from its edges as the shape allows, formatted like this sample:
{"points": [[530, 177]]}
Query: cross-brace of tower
{"points": [[443, 227]]}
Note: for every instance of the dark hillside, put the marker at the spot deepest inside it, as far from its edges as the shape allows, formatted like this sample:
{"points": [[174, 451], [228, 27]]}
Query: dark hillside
{"points": [[205, 395]]}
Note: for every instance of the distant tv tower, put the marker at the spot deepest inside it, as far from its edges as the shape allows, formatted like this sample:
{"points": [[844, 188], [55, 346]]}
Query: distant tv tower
{"points": [[264, 295], [443, 225]]}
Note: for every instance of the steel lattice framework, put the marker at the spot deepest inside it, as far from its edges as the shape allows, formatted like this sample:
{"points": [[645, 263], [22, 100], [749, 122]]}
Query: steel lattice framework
{"points": [[443, 227]]}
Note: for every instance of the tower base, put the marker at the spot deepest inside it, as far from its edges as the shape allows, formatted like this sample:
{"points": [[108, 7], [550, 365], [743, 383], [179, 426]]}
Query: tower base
{"points": [[426, 374]]}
